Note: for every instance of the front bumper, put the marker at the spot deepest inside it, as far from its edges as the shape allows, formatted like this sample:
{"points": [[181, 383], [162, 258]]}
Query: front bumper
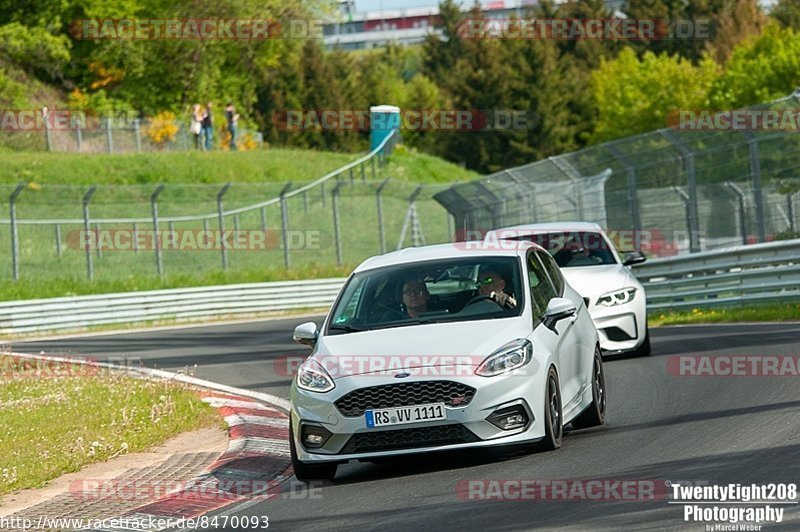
{"points": [[621, 328], [465, 427]]}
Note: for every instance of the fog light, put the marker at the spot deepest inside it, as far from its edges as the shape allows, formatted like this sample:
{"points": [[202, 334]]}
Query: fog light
{"points": [[314, 437], [509, 418]]}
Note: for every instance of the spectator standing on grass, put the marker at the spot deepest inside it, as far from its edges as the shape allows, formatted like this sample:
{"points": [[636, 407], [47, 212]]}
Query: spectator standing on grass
{"points": [[232, 118], [208, 129], [197, 124]]}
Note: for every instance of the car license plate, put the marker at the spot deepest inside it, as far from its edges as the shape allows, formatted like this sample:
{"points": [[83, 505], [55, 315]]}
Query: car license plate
{"points": [[405, 414]]}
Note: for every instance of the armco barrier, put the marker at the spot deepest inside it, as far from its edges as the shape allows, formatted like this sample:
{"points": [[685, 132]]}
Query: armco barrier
{"points": [[735, 276], [156, 305]]}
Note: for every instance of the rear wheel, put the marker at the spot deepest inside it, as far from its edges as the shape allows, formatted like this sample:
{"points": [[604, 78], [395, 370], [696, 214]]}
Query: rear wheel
{"points": [[303, 471], [595, 414], [553, 427]]}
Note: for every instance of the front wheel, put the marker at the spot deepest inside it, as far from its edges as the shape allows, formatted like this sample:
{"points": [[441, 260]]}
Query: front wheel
{"points": [[553, 427], [644, 349], [303, 471], [595, 414]]}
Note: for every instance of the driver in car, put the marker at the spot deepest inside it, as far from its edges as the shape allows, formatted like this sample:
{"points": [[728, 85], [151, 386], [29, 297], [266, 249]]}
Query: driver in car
{"points": [[415, 297], [492, 284]]}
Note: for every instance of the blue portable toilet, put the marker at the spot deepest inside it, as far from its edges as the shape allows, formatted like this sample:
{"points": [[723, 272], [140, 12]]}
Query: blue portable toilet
{"points": [[383, 119]]}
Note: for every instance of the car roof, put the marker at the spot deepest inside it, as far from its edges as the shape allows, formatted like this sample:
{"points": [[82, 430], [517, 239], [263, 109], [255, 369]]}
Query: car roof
{"points": [[443, 251], [553, 227]]}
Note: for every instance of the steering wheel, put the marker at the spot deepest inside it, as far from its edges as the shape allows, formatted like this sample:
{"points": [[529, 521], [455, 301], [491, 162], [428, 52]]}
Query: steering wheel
{"points": [[479, 298]]}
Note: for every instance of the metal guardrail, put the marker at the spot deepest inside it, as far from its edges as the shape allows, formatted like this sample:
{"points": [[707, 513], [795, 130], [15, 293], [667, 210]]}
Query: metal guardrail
{"points": [[158, 305], [735, 276], [740, 275]]}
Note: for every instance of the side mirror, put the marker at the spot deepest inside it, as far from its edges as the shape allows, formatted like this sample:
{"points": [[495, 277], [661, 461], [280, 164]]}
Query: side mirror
{"points": [[634, 257], [558, 309], [306, 334]]}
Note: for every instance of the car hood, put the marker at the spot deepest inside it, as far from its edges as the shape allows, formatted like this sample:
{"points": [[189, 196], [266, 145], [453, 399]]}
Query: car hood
{"points": [[387, 351], [590, 281]]}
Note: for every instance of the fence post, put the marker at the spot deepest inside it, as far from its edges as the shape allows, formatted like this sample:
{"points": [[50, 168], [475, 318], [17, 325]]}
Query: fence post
{"points": [[48, 137], [14, 237], [363, 173], [86, 199], [223, 242], [790, 211], [372, 162], [686, 201], [450, 227], [135, 238], [691, 206], [78, 137], [58, 240], [740, 203], [633, 192], [379, 201], [285, 223], [156, 236], [758, 193], [109, 138], [336, 234], [352, 177], [264, 218], [99, 245], [138, 132]]}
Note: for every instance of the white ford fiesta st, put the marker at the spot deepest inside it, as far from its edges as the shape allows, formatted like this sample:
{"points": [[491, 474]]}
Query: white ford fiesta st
{"points": [[441, 348], [592, 266]]}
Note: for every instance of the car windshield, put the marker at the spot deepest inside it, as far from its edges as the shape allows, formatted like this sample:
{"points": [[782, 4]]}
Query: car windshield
{"points": [[429, 292], [573, 249]]}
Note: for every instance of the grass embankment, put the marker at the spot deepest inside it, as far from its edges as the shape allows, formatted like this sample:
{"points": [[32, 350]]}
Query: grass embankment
{"points": [[758, 313], [57, 418], [125, 183], [257, 166]]}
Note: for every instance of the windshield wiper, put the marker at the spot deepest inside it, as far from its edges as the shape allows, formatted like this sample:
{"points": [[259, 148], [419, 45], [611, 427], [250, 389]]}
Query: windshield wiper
{"points": [[345, 328], [420, 321]]}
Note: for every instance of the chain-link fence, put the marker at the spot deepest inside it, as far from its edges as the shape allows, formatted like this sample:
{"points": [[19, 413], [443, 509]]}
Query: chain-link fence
{"points": [[123, 135], [121, 232], [690, 190]]}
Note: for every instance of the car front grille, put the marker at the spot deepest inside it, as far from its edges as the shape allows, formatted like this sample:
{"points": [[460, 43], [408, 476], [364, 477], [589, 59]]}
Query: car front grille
{"points": [[405, 394], [388, 440]]}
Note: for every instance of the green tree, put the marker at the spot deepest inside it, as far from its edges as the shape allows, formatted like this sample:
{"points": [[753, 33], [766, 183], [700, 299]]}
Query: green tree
{"points": [[787, 13], [633, 95], [760, 69]]}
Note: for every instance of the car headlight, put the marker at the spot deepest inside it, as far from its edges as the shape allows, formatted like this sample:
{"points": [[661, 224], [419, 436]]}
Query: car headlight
{"points": [[511, 356], [312, 376], [617, 297]]}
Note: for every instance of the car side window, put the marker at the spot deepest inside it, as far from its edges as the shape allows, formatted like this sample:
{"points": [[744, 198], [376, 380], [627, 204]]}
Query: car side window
{"points": [[552, 269], [541, 289]]}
